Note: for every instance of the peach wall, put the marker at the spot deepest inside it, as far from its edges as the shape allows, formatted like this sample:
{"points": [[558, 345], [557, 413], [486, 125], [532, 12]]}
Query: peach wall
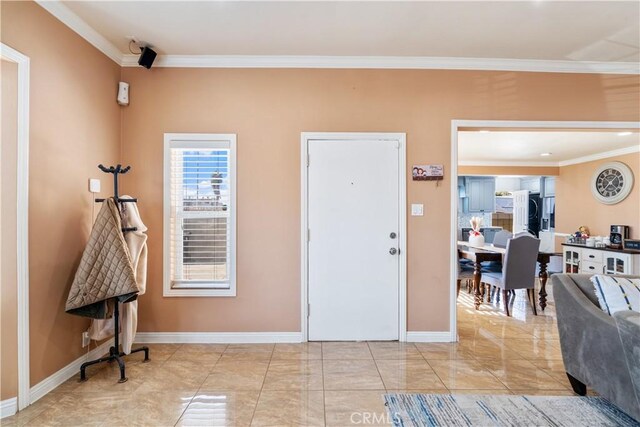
{"points": [[269, 108], [576, 206], [75, 124], [8, 262], [509, 170]]}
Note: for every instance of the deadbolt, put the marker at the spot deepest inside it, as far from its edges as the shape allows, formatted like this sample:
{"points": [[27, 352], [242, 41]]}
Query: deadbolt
{"points": [[393, 235], [393, 251]]}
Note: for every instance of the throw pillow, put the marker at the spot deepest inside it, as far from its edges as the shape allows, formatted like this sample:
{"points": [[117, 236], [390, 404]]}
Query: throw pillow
{"points": [[617, 293]]}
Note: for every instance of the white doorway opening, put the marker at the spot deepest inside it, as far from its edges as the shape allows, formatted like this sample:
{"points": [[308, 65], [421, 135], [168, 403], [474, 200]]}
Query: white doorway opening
{"points": [[353, 236]]}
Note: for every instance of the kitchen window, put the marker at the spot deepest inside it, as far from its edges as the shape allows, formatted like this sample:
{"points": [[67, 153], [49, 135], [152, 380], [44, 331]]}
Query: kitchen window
{"points": [[199, 215]]}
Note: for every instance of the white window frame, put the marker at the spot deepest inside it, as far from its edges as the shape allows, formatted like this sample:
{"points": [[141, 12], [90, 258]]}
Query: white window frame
{"points": [[188, 140]]}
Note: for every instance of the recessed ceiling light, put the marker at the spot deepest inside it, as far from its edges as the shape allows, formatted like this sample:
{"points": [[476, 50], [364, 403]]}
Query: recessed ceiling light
{"points": [[484, 131], [624, 133], [545, 154]]}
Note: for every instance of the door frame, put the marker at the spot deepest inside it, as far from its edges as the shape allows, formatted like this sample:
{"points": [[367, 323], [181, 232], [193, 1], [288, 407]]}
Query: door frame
{"points": [[401, 138], [22, 223], [458, 124]]}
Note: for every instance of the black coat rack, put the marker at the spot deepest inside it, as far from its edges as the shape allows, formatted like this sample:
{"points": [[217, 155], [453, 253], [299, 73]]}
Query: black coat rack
{"points": [[114, 351]]}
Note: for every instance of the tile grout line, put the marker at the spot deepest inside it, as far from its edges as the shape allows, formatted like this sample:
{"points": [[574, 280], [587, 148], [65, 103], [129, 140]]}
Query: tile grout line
{"points": [[273, 349]]}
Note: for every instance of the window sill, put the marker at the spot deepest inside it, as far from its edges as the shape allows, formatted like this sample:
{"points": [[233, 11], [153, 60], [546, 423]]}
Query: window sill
{"points": [[199, 292]]}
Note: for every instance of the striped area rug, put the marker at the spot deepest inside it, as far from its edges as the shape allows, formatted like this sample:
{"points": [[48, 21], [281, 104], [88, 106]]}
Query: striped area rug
{"points": [[469, 410]]}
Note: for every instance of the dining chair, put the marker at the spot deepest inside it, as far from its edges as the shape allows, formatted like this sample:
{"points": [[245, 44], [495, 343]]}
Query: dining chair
{"points": [[465, 272], [518, 269], [501, 238]]}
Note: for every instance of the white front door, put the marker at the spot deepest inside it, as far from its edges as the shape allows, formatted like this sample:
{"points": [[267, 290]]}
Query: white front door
{"points": [[520, 211], [353, 248]]}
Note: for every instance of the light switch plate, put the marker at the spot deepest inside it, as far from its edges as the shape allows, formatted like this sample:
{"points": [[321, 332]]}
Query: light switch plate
{"points": [[94, 185], [417, 209]]}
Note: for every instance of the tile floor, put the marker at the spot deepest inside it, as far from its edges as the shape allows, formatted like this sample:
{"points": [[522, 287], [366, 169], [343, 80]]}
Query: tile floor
{"points": [[330, 383]]}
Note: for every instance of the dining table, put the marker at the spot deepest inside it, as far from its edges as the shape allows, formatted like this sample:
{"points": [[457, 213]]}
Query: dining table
{"points": [[489, 252]]}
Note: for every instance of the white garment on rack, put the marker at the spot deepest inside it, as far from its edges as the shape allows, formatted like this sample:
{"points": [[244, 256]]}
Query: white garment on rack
{"points": [[137, 245]]}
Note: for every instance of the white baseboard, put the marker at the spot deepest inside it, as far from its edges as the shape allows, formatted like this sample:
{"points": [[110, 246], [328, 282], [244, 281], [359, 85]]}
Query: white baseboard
{"points": [[217, 337], [8, 407], [417, 336], [53, 381]]}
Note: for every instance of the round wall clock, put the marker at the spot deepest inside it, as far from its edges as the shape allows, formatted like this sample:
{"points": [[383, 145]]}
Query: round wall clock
{"points": [[612, 182]]}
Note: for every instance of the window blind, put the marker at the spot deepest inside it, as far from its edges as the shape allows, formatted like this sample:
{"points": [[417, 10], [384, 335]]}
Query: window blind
{"points": [[200, 212]]}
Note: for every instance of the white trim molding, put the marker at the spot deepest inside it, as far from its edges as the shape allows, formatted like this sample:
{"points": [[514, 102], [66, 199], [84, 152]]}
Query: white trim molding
{"points": [[22, 221], [418, 336], [305, 137], [568, 162], [8, 407], [217, 337], [387, 62], [195, 141], [51, 382], [84, 30], [457, 125], [77, 24]]}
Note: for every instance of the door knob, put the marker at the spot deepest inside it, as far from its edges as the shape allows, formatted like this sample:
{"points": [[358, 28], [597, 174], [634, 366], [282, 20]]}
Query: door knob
{"points": [[393, 251]]}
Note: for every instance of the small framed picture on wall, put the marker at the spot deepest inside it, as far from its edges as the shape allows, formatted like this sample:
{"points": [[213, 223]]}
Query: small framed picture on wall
{"points": [[427, 172]]}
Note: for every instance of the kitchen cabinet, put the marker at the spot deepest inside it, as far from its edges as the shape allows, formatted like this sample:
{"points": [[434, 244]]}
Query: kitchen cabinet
{"points": [[587, 260], [481, 194], [531, 184], [549, 186]]}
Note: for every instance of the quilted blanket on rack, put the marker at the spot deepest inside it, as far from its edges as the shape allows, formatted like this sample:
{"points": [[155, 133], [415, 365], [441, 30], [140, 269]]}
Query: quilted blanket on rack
{"points": [[105, 270]]}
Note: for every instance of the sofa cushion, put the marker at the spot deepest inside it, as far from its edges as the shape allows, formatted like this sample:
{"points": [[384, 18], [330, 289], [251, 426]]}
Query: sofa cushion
{"points": [[617, 293]]}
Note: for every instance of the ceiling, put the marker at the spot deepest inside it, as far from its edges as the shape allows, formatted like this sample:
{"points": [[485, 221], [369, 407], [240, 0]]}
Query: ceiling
{"points": [[538, 30], [525, 148]]}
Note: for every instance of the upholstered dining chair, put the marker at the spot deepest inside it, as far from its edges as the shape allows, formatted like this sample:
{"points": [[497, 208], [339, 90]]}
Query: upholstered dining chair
{"points": [[501, 238], [465, 272], [518, 269]]}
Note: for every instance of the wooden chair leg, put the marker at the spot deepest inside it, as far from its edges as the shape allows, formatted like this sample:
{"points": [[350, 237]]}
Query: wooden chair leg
{"points": [[488, 293], [531, 294], [505, 297], [458, 288]]}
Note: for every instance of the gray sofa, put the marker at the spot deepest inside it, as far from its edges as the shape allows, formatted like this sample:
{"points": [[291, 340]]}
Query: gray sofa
{"points": [[592, 348]]}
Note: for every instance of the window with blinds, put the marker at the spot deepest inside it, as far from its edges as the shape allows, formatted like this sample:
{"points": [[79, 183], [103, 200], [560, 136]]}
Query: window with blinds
{"points": [[199, 215]]}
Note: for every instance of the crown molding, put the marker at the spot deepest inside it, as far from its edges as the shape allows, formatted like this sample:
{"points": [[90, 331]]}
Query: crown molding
{"points": [[575, 161], [507, 163], [84, 30], [386, 62], [600, 156], [77, 24]]}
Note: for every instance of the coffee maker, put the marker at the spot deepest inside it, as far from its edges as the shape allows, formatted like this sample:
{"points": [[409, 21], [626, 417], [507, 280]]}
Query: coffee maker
{"points": [[618, 234]]}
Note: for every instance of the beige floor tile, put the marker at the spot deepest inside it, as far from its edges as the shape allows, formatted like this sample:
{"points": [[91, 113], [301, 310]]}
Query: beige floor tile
{"points": [[220, 408], [535, 349], [443, 351], [32, 411], [81, 409], [408, 374], [236, 375], [300, 351], [344, 408], [181, 376], [207, 353], [158, 353], [158, 409], [345, 350], [521, 374], [490, 349], [351, 375], [239, 352], [385, 350], [289, 408], [294, 375], [465, 374]]}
